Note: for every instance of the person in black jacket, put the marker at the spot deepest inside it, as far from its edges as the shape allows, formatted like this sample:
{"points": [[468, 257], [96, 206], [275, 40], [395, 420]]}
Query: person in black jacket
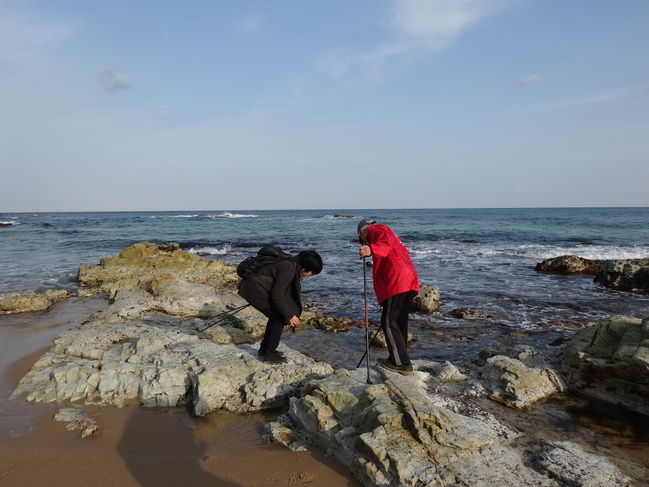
{"points": [[274, 290]]}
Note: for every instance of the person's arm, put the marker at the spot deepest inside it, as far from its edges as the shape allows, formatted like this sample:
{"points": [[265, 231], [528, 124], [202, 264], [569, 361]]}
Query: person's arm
{"points": [[280, 293], [379, 241]]}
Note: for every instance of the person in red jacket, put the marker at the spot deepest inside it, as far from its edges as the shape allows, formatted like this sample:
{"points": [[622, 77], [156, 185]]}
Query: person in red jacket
{"points": [[395, 285]]}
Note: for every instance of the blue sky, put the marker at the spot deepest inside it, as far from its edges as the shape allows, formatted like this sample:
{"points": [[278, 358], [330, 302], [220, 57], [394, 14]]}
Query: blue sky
{"points": [[336, 104]]}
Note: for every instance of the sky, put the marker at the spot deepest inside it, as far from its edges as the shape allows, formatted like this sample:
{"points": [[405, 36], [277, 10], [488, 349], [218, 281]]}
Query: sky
{"points": [[143, 105]]}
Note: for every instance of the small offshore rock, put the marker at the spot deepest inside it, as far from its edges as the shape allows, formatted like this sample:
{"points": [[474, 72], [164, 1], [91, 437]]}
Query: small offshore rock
{"points": [[570, 264], [464, 313]]}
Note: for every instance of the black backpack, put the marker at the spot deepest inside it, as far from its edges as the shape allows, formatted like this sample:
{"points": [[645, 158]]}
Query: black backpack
{"points": [[266, 255]]}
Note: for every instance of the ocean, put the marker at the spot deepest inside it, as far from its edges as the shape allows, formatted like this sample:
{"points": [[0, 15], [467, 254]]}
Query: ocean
{"points": [[478, 258]]}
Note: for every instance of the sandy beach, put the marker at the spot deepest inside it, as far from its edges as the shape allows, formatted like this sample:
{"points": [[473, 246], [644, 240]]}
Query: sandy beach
{"points": [[135, 446]]}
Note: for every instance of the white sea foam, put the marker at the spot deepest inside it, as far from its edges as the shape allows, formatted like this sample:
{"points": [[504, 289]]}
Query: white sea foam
{"points": [[536, 252], [227, 214], [593, 252], [210, 250]]}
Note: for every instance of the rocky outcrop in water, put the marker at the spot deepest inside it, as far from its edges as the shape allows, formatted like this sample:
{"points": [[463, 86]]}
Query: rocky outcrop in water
{"points": [[625, 275], [570, 264], [622, 275], [137, 265]]}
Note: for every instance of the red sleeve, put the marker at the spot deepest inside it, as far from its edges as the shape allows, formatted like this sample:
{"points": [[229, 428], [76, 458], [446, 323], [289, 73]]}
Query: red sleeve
{"points": [[379, 240]]}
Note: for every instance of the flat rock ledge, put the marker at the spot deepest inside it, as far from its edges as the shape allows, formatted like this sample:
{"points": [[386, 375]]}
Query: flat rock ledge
{"points": [[117, 364]]}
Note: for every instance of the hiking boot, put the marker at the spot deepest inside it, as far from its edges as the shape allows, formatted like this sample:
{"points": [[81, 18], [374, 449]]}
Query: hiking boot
{"points": [[261, 353], [400, 369], [274, 358]]}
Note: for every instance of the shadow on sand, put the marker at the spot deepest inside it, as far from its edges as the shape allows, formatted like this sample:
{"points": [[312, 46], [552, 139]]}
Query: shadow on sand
{"points": [[159, 449]]}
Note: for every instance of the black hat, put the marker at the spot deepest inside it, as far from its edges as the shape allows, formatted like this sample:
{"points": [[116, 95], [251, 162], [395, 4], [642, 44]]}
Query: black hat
{"points": [[366, 222]]}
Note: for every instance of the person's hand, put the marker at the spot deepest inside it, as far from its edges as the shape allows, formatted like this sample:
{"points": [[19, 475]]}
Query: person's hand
{"points": [[364, 251], [294, 321]]}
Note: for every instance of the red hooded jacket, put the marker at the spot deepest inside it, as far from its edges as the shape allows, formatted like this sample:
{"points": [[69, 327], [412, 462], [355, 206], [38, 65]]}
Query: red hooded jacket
{"points": [[393, 272]]}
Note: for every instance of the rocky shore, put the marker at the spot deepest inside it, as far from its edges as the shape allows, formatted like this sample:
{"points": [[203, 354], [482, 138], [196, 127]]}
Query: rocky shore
{"points": [[175, 334]]}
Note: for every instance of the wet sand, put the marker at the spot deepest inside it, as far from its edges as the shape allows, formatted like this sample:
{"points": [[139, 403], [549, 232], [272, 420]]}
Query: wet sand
{"points": [[135, 446]]}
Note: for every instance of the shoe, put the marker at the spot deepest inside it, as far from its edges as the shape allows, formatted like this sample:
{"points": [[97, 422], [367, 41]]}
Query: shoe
{"points": [[400, 369], [261, 353], [274, 358]]}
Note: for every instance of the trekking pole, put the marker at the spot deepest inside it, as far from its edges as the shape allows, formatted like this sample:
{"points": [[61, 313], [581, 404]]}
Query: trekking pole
{"points": [[220, 318], [223, 316], [371, 341], [367, 323]]}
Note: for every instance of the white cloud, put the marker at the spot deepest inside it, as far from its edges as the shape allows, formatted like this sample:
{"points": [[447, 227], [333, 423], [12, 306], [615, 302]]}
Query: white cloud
{"points": [[431, 24], [111, 80], [435, 23]]}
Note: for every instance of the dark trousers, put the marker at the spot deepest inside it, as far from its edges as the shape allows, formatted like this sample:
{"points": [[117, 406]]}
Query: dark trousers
{"points": [[394, 322], [273, 333]]}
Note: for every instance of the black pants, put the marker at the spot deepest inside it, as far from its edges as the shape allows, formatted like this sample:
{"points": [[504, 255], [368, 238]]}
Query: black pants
{"points": [[394, 322], [273, 333]]}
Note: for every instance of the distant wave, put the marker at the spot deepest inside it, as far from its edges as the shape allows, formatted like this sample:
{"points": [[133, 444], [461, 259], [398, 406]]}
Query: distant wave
{"points": [[536, 252], [225, 214]]}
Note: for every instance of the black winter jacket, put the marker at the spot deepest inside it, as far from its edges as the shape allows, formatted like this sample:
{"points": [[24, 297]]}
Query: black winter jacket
{"points": [[275, 288]]}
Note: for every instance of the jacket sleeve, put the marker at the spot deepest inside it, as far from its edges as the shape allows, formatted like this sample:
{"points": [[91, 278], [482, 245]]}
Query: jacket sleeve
{"points": [[281, 294], [379, 241]]}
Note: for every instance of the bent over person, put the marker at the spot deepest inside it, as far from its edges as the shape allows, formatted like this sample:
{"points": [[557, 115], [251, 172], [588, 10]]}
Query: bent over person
{"points": [[395, 285], [274, 290]]}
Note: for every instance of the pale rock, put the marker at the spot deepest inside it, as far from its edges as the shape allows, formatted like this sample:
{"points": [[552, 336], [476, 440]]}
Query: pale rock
{"points": [[517, 385]]}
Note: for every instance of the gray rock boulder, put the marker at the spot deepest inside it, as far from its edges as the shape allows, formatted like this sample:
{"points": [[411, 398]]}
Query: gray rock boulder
{"points": [[609, 361]]}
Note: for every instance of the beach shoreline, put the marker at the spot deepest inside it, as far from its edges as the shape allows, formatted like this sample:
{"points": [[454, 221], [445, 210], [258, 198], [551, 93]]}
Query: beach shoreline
{"points": [[137, 446]]}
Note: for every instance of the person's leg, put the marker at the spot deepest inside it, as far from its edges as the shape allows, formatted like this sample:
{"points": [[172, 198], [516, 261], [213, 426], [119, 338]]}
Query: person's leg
{"points": [[402, 319], [395, 329], [273, 333], [272, 337], [274, 329]]}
